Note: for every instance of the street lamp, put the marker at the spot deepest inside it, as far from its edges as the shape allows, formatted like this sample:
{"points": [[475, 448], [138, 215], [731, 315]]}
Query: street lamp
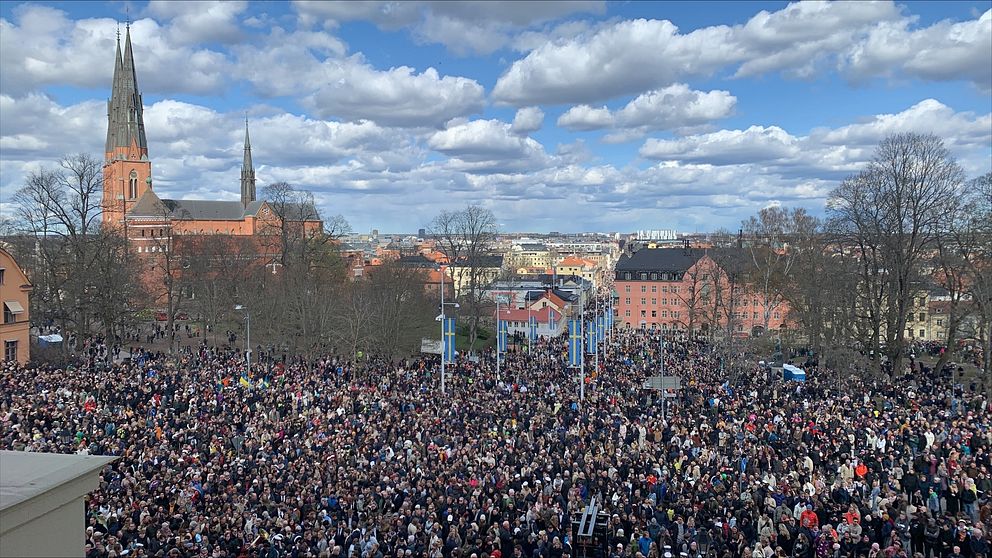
{"points": [[248, 334]]}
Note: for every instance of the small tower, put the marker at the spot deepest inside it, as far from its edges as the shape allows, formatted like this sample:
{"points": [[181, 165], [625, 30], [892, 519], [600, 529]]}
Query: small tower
{"points": [[127, 171], [247, 172]]}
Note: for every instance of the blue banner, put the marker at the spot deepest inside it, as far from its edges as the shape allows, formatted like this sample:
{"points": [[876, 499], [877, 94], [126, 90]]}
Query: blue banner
{"points": [[501, 336], [533, 328], [591, 338], [609, 319], [574, 343], [601, 327], [449, 340]]}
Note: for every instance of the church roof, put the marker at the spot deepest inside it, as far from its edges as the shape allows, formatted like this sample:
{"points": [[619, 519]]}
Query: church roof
{"points": [[150, 205]]}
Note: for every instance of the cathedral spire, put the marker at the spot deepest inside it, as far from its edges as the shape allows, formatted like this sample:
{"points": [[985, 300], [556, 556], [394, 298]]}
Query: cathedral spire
{"points": [[247, 172], [126, 124]]}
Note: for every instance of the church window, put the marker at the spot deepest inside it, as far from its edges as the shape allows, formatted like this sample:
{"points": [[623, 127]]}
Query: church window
{"points": [[133, 185]]}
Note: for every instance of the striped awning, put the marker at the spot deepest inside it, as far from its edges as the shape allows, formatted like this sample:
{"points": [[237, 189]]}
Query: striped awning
{"points": [[13, 306]]}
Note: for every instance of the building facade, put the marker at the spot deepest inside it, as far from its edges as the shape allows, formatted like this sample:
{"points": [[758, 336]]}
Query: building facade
{"points": [[683, 288], [15, 291]]}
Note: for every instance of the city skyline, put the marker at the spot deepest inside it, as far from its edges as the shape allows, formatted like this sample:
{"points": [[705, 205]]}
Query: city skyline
{"points": [[565, 116]]}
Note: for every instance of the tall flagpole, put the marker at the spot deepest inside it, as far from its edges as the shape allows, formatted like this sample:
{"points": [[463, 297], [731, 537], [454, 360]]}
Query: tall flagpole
{"points": [[443, 340], [596, 326], [582, 365], [499, 338]]}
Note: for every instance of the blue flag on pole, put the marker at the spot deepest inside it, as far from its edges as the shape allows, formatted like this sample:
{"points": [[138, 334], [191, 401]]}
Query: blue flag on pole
{"points": [[591, 337], [449, 339], [533, 328], [601, 327], [501, 336], [574, 343]]}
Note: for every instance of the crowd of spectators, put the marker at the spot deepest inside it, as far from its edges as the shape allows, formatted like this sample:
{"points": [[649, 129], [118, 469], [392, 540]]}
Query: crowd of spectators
{"points": [[329, 458]]}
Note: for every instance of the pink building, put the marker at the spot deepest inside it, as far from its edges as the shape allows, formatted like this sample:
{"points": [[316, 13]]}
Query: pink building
{"points": [[679, 288]]}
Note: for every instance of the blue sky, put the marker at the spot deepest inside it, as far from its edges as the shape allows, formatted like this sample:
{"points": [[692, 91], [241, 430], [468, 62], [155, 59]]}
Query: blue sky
{"points": [[565, 116]]}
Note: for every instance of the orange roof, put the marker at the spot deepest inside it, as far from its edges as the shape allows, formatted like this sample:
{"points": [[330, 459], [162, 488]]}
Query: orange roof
{"points": [[572, 261]]}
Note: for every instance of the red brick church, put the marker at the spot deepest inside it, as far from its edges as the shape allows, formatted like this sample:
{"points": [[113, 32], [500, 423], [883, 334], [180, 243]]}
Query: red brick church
{"points": [[129, 200]]}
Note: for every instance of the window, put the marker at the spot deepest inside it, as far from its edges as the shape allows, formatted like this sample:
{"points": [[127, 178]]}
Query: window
{"points": [[10, 350], [923, 317], [664, 289], [664, 313], [644, 313], [664, 302], [644, 277], [1, 276], [644, 289], [778, 316], [654, 288], [11, 309], [754, 315], [627, 301], [626, 313], [626, 289], [675, 289], [740, 327], [940, 323], [654, 313], [675, 315], [132, 189], [923, 333], [643, 301], [654, 276]]}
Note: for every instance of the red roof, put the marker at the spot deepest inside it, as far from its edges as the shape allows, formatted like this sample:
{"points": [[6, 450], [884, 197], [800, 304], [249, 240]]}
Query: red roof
{"points": [[522, 315]]}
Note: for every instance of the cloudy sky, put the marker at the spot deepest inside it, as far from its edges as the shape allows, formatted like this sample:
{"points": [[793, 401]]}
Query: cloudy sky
{"points": [[570, 116]]}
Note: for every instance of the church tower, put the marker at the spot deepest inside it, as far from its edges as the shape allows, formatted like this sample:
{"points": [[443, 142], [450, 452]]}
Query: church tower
{"points": [[127, 171], [247, 173]]}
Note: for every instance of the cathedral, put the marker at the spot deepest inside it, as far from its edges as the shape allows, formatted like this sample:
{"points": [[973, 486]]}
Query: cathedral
{"points": [[129, 201]]}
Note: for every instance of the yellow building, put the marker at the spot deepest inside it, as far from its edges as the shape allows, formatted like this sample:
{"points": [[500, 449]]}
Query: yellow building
{"points": [[579, 267], [14, 292]]}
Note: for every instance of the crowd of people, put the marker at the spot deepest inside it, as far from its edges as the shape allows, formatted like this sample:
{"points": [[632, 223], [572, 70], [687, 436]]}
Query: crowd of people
{"points": [[327, 458]]}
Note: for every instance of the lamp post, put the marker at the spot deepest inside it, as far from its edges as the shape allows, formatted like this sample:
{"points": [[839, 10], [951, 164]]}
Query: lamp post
{"points": [[247, 334]]}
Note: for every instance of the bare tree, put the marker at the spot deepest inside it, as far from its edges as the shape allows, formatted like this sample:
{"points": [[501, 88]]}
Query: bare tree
{"points": [[972, 234], [768, 235], [467, 238], [889, 213], [60, 210]]}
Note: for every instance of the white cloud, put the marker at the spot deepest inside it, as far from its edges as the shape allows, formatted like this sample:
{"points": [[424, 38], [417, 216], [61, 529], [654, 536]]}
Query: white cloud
{"points": [[676, 107], [486, 146], [462, 27], [200, 20], [396, 97], [42, 47], [830, 153], [632, 56], [943, 51], [585, 117], [527, 120], [757, 144]]}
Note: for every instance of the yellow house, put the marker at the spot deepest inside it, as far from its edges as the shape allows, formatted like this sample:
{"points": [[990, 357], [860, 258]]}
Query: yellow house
{"points": [[14, 293], [579, 267]]}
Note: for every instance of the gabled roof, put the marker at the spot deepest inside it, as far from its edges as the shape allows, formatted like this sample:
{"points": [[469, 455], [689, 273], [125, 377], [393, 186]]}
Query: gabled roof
{"points": [[543, 315], [659, 259], [417, 260], [149, 205]]}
